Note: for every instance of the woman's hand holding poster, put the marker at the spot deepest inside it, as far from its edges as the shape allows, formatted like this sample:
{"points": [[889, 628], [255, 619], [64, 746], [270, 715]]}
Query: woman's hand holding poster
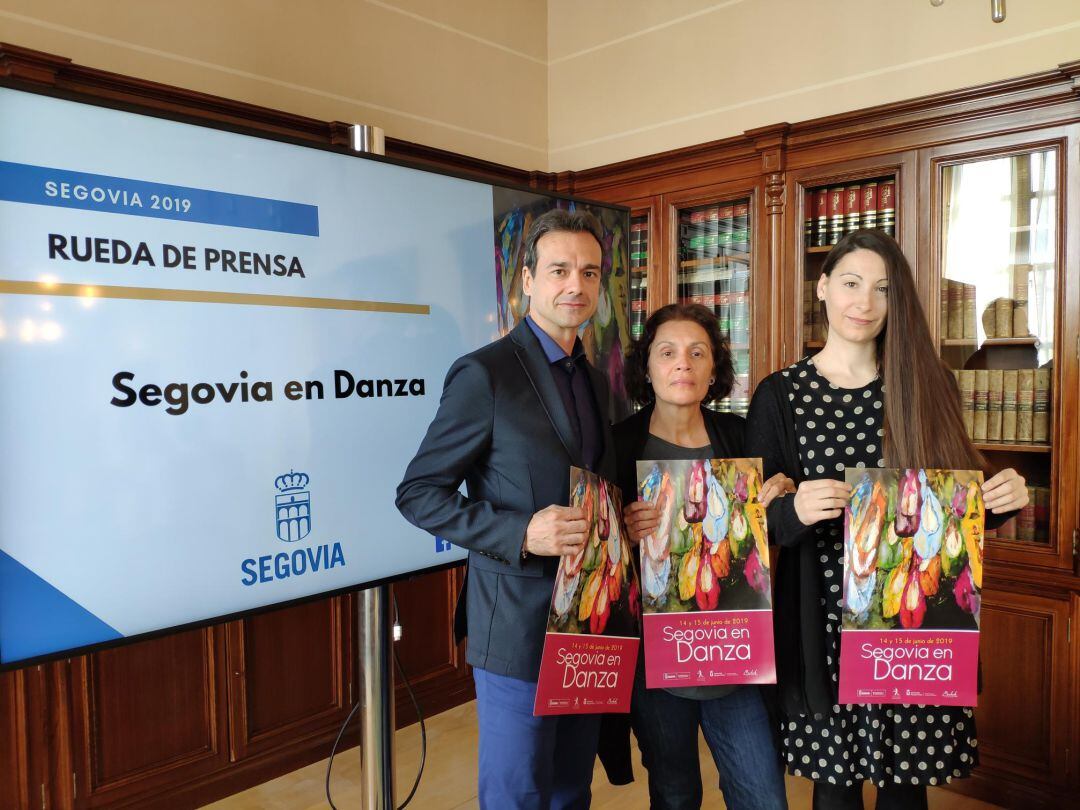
{"points": [[913, 560], [705, 575]]}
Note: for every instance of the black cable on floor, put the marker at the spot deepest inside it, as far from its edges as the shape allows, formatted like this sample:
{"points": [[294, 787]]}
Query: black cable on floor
{"points": [[423, 733], [419, 715], [333, 750]]}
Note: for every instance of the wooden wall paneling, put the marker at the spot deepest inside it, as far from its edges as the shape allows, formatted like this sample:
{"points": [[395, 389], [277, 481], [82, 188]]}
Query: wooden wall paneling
{"points": [[928, 248], [58, 752], [765, 352], [290, 676], [1072, 759], [789, 329], [148, 718], [17, 784], [666, 254], [434, 664], [813, 174], [1022, 718], [729, 160], [1013, 105], [1058, 553]]}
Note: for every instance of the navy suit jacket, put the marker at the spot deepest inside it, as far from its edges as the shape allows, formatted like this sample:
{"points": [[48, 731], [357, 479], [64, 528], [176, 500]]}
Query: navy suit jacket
{"points": [[501, 428]]}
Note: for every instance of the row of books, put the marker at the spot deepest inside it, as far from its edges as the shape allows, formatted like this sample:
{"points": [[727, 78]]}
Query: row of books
{"points": [[957, 310], [639, 306], [832, 212], [639, 275], [715, 230], [723, 274], [1002, 318], [814, 325], [1033, 522], [724, 288], [1006, 405], [738, 401], [732, 315]]}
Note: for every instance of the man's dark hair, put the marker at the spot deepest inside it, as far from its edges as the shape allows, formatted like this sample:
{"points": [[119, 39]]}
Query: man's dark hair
{"points": [[559, 219]]}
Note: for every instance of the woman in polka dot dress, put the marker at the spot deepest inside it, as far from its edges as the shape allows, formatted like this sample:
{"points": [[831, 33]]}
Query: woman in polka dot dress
{"points": [[878, 370]]}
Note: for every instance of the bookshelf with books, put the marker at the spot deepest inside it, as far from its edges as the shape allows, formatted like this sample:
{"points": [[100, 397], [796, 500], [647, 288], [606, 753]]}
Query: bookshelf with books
{"points": [[639, 274], [832, 211], [999, 259], [1030, 748], [714, 249], [1003, 295]]}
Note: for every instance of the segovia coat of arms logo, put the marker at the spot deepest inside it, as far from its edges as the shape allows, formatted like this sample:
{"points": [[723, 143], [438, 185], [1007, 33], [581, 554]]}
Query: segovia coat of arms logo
{"points": [[292, 507]]}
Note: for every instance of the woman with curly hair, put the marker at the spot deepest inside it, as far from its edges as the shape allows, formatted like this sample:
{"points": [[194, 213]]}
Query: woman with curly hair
{"points": [[679, 366]]}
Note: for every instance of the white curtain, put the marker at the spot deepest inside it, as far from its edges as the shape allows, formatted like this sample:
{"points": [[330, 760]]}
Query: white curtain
{"points": [[998, 214]]}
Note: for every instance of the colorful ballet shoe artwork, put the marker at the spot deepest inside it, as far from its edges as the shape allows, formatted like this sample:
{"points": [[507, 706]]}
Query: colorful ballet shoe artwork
{"points": [[709, 577], [912, 584]]}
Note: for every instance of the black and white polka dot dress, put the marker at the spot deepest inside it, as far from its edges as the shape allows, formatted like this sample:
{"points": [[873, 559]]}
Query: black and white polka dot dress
{"points": [[916, 745]]}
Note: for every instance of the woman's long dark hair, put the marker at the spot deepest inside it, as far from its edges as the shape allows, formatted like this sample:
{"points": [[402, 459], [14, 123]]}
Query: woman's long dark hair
{"points": [[638, 387], [924, 423]]}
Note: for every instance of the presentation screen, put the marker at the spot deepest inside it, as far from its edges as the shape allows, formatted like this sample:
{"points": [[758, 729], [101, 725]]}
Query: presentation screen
{"points": [[218, 353]]}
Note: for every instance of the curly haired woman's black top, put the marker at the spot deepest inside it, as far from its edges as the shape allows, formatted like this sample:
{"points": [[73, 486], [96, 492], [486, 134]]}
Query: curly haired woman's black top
{"points": [[726, 434]]}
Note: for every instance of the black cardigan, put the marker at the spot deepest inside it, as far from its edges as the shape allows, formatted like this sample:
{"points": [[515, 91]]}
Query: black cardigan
{"points": [[726, 433], [802, 675], [799, 619]]}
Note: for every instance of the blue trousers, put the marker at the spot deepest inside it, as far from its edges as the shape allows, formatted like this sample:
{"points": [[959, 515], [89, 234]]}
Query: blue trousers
{"points": [[738, 732], [526, 762]]}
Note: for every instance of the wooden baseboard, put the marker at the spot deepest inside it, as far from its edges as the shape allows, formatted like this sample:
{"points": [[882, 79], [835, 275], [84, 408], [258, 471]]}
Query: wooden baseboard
{"points": [[258, 769]]}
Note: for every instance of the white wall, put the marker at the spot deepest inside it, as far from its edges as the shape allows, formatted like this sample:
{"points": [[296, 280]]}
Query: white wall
{"points": [[555, 84]]}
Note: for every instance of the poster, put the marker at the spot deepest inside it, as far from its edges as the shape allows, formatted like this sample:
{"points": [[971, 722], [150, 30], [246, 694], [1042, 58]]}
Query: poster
{"points": [[706, 594], [913, 566], [593, 629]]}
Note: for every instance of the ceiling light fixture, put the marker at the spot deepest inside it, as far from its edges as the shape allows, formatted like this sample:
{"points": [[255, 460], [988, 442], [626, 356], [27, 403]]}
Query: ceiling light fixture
{"points": [[997, 9]]}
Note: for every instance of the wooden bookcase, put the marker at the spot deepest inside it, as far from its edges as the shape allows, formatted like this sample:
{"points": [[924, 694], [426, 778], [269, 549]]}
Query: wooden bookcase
{"points": [[1029, 712]]}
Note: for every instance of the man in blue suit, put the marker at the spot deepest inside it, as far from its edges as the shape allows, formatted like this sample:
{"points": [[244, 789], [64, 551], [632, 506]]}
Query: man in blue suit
{"points": [[514, 416]]}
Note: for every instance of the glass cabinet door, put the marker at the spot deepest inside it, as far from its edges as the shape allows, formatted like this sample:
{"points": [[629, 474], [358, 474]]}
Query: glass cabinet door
{"points": [[713, 251], [999, 279]]}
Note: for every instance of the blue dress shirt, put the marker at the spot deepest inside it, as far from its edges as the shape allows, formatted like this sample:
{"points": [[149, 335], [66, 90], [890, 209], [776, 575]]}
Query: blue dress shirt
{"points": [[572, 379]]}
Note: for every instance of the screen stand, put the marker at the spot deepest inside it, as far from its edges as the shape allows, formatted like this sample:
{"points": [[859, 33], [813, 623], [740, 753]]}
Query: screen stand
{"points": [[376, 699], [375, 636]]}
